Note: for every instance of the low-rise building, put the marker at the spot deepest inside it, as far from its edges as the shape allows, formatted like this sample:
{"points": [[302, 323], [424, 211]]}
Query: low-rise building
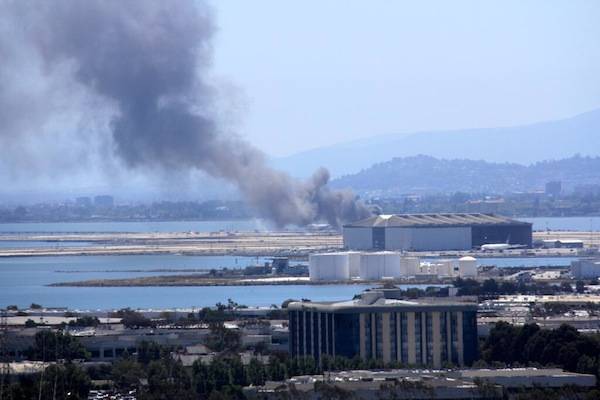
{"points": [[586, 268], [422, 384]]}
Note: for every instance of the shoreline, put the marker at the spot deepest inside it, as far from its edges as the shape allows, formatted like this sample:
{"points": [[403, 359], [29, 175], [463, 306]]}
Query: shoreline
{"points": [[190, 281]]}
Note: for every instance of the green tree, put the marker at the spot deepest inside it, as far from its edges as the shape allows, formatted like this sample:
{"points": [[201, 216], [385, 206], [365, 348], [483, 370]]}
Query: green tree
{"points": [[132, 319], [168, 379], [255, 373], [50, 346], [126, 374], [150, 351], [86, 320], [30, 323], [66, 381], [222, 339]]}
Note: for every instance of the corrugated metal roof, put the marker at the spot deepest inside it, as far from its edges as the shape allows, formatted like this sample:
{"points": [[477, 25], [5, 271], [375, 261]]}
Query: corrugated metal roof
{"points": [[422, 220]]}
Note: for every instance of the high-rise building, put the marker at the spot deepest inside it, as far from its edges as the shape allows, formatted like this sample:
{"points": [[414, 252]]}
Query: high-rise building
{"points": [[379, 325]]}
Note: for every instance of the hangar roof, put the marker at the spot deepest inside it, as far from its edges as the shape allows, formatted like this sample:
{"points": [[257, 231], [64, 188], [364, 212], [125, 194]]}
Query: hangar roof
{"points": [[430, 220]]}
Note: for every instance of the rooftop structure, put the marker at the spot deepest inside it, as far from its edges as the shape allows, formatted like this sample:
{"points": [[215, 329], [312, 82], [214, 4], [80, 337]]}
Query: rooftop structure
{"points": [[432, 220], [438, 384]]}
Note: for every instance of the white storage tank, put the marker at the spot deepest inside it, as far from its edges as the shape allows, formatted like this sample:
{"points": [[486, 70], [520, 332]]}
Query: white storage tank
{"points": [[354, 263], [328, 267], [467, 266], [446, 267], [409, 266], [374, 266]]}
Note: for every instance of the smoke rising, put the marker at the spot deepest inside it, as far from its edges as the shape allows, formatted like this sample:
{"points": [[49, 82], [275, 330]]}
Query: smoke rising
{"points": [[150, 60]]}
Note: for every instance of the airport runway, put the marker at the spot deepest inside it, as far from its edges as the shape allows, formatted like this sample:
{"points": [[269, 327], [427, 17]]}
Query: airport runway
{"points": [[235, 243]]}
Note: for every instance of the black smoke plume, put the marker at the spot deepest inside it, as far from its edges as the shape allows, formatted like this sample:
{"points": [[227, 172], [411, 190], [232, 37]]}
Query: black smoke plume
{"points": [[151, 61]]}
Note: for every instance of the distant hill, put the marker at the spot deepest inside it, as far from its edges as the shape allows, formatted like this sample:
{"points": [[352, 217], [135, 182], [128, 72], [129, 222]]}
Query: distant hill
{"points": [[426, 174], [520, 144]]}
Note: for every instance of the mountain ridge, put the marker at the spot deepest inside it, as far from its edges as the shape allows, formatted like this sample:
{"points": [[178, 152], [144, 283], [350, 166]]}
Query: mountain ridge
{"points": [[426, 174], [524, 144]]}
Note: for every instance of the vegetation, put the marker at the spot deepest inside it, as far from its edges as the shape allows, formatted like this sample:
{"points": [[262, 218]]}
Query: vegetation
{"points": [[52, 346], [492, 287], [154, 373], [531, 345], [465, 185], [85, 321], [133, 319]]}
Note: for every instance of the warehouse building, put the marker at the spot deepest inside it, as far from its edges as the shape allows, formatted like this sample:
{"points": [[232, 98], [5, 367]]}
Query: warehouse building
{"points": [[379, 325], [431, 232], [586, 268]]}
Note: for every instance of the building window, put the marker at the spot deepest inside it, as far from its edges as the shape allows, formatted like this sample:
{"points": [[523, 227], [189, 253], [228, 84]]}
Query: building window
{"points": [[301, 333], [315, 330], [308, 317], [325, 348], [393, 337], [368, 337], [444, 337], [469, 336], [347, 332], [418, 339], [429, 337], [378, 336], [454, 337], [403, 338]]}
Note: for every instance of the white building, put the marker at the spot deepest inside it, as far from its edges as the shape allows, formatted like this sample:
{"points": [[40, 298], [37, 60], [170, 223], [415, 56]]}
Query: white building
{"points": [[586, 268], [409, 265]]}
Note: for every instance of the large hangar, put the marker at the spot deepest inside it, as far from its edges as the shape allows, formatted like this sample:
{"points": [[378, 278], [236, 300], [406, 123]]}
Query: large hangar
{"points": [[423, 232]]}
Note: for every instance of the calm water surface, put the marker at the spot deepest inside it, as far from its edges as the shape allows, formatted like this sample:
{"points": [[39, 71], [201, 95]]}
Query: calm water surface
{"points": [[23, 280], [564, 223], [158, 226]]}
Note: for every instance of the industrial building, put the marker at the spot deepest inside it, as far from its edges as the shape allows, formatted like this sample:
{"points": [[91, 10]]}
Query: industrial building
{"points": [[431, 232], [586, 268], [374, 266], [379, 325]]}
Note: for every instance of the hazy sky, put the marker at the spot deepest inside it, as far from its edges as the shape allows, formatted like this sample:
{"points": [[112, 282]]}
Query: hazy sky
{"points": [[315, 72], [286, 75]]}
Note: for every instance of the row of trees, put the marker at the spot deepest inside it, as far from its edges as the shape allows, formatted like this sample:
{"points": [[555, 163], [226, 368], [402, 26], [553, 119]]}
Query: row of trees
{"points": [[492, 287], [531, 345]]}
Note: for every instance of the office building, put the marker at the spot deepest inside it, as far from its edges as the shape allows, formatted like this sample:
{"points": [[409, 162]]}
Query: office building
{"points": [[380, 325], [433, 232]]}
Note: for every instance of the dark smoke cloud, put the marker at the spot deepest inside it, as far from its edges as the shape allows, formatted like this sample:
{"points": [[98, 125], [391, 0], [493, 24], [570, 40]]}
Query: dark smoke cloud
{"points": [[150, 60]]}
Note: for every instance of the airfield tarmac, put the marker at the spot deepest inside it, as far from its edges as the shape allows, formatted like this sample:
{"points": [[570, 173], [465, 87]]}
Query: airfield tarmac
{"points": [[287, 243]]}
